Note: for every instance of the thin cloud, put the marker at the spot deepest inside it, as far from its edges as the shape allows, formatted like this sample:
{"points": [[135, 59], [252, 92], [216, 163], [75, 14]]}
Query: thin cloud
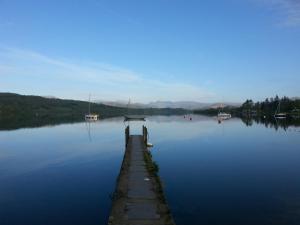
{"points": [[71, 78], [288, 10], [6, 24], [117, 14]]}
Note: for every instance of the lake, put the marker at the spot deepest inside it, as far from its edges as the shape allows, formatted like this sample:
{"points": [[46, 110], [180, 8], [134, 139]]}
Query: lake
{"points": [[233, 173]]}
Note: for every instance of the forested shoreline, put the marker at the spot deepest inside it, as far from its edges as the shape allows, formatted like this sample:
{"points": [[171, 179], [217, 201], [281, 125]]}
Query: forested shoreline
{"points": [[31, 111], [267, 108]]}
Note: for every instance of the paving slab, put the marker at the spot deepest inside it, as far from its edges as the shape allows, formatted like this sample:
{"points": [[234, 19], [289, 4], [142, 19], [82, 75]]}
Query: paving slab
{"points": [[142, 210]]}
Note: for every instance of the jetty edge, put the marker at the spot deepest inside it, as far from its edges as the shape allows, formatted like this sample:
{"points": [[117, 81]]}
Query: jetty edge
{"points": [[139, 198]]}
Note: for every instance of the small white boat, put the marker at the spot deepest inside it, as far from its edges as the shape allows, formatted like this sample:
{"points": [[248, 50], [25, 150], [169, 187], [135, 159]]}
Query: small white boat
{"points": [[91, 116], [224, 116], [278, 114]]}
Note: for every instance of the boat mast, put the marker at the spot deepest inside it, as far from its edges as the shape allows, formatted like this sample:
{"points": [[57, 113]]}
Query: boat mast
{"points": [[89, 104], [221, 108], [128, 106], [222, 105], [278, 108]]}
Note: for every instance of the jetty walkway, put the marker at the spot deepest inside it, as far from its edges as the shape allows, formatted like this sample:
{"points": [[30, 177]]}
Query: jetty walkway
{"points": [[138, 198]]}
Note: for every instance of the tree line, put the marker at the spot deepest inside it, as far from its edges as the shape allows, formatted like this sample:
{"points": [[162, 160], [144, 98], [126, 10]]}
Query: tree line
{"points": [[23, 110], [268, 107], [271, 105]]}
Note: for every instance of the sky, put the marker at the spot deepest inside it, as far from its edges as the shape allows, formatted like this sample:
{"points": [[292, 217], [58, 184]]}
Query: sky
{"points": [[150, 50]]}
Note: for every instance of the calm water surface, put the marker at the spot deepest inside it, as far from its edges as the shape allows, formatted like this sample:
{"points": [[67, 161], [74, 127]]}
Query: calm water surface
{"points": [[226, 173]]}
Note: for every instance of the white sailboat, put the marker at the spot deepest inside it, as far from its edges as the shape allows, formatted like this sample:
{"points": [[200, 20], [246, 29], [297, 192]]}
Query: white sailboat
{"points": [[278, 114], [91, 116], [223, 115], [133, 117]]}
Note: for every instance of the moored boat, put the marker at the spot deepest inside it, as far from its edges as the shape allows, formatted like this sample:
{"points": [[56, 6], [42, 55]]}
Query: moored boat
{"points": [[278, 114], [222, 115], [91, 116]]}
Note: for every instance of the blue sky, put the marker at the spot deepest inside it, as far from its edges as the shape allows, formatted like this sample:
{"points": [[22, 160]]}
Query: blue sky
{"points": [[207, 51]]}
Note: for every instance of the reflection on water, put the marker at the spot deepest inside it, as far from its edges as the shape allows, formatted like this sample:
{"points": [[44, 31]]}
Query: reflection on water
{"points": [[273, 122], [58, 175], [13, 123], [229, 173], [237, 172]]}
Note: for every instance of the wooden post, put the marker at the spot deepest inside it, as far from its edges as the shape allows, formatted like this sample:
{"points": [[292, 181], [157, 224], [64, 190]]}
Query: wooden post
{"points": [[145, 135], [143, 131], [127, 133]]}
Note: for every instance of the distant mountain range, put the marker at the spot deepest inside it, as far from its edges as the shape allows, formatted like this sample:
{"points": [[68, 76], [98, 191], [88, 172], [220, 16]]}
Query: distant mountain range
{"points": [[190, 105]]}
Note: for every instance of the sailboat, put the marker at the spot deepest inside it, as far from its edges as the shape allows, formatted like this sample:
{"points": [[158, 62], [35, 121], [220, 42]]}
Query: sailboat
{"points": [[91, 116], [223, 115], [133, 117], [278, 114]]}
